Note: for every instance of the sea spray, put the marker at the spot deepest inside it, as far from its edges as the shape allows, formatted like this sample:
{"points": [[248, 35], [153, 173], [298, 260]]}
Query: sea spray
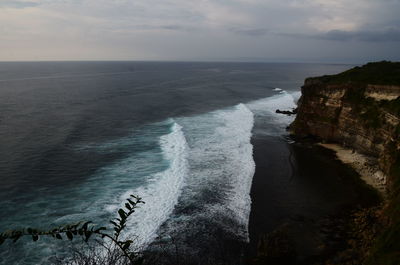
{"points": [[162, 193], [237, 132], [216, 195], [70, 153], [265, 108]]}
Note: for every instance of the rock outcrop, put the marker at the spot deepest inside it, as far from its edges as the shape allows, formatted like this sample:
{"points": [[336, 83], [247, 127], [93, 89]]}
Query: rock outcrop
{"points": [[361, 116], [360, 109]]}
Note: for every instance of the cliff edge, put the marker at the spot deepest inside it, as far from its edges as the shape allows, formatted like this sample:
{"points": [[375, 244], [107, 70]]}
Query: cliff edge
{"points": [[359, 109]]}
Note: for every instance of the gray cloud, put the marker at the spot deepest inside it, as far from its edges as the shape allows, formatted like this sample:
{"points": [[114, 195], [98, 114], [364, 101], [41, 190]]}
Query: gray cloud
{"points": [[18, 4], [390, 35], [296, 30], [149, 28], [250, 32], [175, 27], [372, 36]]}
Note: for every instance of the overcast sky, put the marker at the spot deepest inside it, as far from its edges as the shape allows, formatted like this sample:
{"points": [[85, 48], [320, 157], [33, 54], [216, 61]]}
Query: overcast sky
{"points": [[206, 30]]}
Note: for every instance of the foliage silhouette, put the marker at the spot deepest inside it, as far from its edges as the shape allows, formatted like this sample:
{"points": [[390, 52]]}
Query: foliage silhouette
{"points": [[86, 229]]}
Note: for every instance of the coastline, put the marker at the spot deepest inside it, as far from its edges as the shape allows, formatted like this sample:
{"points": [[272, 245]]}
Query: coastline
{"points": [[364, 165], [301, 211], [360, 108]]}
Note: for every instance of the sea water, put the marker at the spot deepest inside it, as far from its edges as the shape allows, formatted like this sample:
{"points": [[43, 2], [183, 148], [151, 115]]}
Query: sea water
{"points": [[77, 138]]}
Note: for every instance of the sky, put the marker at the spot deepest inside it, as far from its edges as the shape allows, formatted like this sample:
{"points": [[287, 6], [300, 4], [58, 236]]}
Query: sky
{"points": [[331, 31]]}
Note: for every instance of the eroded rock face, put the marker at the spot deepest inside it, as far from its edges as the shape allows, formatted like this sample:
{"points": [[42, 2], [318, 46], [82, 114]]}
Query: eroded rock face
{"points": [[360, 109], [381, 92], [362, 117]]}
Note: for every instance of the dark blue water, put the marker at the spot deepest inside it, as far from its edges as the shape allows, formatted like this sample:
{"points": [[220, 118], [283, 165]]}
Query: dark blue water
{"points": [[76, 138]]}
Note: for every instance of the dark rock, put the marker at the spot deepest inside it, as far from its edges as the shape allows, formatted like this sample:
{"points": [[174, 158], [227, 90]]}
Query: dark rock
{"points": [[276, 248], [287, 112], [359, 109]]}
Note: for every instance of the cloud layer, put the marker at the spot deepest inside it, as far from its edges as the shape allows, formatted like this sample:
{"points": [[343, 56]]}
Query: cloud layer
{"points": [[271, 30]]}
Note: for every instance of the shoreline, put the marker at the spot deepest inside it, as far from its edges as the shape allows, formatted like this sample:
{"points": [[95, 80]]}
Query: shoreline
{"points": [[364, 165], [301, 208]]}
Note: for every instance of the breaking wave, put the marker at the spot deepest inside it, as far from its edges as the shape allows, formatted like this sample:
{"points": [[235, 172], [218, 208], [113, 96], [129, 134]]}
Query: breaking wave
{"points": [[162, 192]]}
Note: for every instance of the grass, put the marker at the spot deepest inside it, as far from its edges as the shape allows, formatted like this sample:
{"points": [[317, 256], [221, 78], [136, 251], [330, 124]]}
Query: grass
{"points": [[378, 73], [386, 249], [371, 110]]}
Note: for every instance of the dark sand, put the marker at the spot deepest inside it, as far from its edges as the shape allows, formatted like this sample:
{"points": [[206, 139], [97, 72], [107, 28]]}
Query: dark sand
{"points": [[299, 187]]}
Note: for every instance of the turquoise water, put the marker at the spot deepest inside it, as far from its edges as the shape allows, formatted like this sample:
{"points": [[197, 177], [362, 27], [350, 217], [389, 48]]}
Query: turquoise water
{"points": [[78, 138]]}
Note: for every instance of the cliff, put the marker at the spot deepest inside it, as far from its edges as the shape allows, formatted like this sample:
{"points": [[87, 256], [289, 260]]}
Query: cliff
{"points": [[360, 109]]}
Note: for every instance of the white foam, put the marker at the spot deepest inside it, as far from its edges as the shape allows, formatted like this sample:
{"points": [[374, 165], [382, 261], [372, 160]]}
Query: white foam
{"points": [[296, 96], [210, 155], [277, 89], [237, 132], [162, 193], [266, 108], [270, 104], [221, 161]]}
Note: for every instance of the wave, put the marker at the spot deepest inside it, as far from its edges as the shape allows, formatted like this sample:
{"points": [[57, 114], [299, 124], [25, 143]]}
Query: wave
{"points": [[274, 123], [162, 192], [209, 166], [207, 173], [194, 174], [237, 130], [217, 189]]}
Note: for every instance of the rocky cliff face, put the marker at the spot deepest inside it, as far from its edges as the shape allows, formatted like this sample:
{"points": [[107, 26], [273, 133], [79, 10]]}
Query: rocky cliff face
{"points": [[360, 109], [364, 117]]}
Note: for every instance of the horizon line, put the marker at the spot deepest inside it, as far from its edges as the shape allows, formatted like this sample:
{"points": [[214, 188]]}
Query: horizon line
{"points": [[190, 61]]}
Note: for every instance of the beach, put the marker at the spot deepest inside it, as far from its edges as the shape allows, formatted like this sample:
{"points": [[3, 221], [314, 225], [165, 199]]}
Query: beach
{"points": [[304, 200], [364, 165]]}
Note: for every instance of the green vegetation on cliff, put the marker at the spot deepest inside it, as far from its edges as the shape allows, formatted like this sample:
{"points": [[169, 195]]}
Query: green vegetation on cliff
{"points": [[370, 110], [378, 73], [361, 107]]}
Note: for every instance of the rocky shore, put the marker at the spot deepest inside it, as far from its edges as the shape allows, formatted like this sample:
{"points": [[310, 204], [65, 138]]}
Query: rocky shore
{"points": [[365, 166], [357, 115]]}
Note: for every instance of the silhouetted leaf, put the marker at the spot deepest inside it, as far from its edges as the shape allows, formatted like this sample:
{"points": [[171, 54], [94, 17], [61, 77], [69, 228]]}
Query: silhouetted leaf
{"points": [[126, 245], [122, 214], [87, 235], [85, 225], [99, 229], [132, 203], [114, 223], [69, 235], [16, 237], [86, 231]]}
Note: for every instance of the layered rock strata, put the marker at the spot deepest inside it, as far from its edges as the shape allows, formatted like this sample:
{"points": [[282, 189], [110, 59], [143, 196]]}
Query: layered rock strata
{"points": [[357, 114], [362, 117]]}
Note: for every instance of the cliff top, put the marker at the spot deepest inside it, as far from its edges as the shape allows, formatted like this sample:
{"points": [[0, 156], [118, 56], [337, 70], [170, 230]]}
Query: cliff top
{"points": [[376, 73]]}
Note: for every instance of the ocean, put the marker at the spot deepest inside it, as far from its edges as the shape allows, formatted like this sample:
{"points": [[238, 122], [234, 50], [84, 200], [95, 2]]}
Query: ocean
{"points": [[77, 138]]}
